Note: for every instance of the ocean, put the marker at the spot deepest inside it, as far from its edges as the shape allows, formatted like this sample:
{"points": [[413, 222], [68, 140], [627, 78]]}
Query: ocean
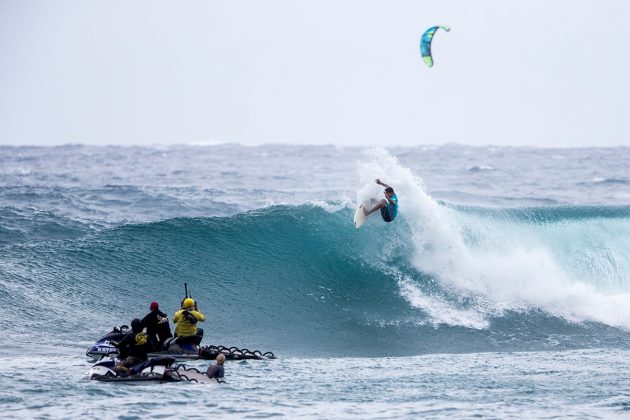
{"points": [[502, 289]]}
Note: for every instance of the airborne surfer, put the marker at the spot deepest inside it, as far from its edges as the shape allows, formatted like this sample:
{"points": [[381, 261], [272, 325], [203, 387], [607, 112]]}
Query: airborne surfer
{"points": [[387, 205]]}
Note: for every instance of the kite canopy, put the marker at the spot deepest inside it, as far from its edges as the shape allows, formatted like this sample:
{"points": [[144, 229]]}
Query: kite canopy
{"points": [[425, 43]]}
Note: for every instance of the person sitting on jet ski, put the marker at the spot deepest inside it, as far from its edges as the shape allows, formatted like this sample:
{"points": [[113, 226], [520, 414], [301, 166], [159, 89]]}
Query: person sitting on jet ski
{"points": [[158, 329], [186, 319], [217, 370], [133, 348]]}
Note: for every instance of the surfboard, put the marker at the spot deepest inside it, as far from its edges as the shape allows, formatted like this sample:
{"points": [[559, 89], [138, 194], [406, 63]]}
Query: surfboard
{"points": [[359, 214], [359, 217]]}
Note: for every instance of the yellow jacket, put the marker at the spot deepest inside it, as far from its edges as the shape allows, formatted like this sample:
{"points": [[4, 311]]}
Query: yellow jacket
{"points": [[183, 326]]}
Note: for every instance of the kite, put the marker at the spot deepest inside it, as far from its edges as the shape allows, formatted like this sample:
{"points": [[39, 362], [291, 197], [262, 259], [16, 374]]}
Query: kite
{"points": [[425, 43]]}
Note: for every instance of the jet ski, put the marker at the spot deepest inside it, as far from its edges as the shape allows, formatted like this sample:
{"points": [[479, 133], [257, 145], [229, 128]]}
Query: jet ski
{"points": [[157, 370], [103, 346], [153, 370], [186, 347], [181, 348]]}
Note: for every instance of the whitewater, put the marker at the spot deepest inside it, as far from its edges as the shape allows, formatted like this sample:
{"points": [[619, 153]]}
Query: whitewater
{"points": [[501, 290]]}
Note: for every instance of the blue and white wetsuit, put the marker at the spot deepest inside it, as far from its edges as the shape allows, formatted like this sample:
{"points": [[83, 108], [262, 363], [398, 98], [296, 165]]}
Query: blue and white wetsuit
{"points": [[390, 211]]}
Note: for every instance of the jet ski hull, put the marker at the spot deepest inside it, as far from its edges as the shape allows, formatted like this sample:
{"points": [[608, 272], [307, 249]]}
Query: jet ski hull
{"points": [[158, 370]]}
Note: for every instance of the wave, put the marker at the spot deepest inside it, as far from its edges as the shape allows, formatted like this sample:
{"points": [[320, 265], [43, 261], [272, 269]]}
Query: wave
{"points": [[30, 225], [300, 280], [605, 181], [480, 168], [569, 262]]}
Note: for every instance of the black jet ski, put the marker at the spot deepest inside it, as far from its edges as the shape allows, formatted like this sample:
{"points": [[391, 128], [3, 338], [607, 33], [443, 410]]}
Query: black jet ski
{"points": [[157, 370], [153, 370], [181, 348], [103, 346], [185, 347]]}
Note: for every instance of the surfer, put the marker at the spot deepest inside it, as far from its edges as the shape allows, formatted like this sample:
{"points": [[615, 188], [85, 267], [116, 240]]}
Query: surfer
{"points": [[387, 205], [186, 319], [156, 323]]}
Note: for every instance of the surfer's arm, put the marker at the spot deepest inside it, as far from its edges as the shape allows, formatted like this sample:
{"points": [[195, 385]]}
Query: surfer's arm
{"points": [[379, 182]]}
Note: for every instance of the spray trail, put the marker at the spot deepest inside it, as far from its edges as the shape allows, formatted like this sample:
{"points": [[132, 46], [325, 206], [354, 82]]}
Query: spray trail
{"points": [[484, 266]]}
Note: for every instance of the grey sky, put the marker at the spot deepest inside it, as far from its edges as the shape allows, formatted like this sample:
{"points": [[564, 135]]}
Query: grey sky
{"points": [[544, 73]]}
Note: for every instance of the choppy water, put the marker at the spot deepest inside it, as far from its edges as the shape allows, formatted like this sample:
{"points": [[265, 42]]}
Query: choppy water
{"points": [[502, 289]]}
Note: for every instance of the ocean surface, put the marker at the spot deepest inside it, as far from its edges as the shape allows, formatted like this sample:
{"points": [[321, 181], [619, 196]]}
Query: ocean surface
{"points": [[502, 290]]}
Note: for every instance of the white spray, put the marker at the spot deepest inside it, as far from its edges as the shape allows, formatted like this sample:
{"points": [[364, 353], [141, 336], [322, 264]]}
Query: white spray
{"points": [[501, 272]]}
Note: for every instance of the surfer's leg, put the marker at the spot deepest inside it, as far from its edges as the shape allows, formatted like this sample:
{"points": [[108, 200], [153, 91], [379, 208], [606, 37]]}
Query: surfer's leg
{"points": [[385, 215], [377, 206]]}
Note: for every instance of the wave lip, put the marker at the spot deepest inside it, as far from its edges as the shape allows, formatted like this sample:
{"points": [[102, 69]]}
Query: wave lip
{"points": [[605, 181], [570, 263], [480, 168], [27, 226]]}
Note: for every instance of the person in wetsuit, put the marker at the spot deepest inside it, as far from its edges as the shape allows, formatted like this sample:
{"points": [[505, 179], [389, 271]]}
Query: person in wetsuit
{"points": [[388, 205], [186, 319], [133, 348], [158, 329], [217, 370]]}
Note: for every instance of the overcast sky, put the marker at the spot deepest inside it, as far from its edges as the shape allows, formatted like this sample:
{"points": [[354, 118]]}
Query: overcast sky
{"points": [[541, 73]]}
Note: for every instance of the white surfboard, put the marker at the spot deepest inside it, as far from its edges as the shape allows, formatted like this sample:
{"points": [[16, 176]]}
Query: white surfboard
{"points": [[359, 217], [359, 214]]}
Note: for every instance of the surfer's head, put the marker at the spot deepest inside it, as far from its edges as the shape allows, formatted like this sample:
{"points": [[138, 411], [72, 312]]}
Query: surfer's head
{"points": [[220, 359], [389, 191], [154, 306]]}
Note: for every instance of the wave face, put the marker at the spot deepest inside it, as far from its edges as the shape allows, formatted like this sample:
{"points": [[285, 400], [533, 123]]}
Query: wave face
{"points": [[300, 280]]}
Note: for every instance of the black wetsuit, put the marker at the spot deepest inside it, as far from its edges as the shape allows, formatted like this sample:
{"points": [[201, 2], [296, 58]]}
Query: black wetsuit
{"points": [[158, 329], [216, 371], [134, 345]]}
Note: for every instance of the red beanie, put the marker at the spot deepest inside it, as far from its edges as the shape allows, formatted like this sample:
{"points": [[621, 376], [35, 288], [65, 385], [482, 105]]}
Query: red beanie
{"points": [[154, 305]]}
